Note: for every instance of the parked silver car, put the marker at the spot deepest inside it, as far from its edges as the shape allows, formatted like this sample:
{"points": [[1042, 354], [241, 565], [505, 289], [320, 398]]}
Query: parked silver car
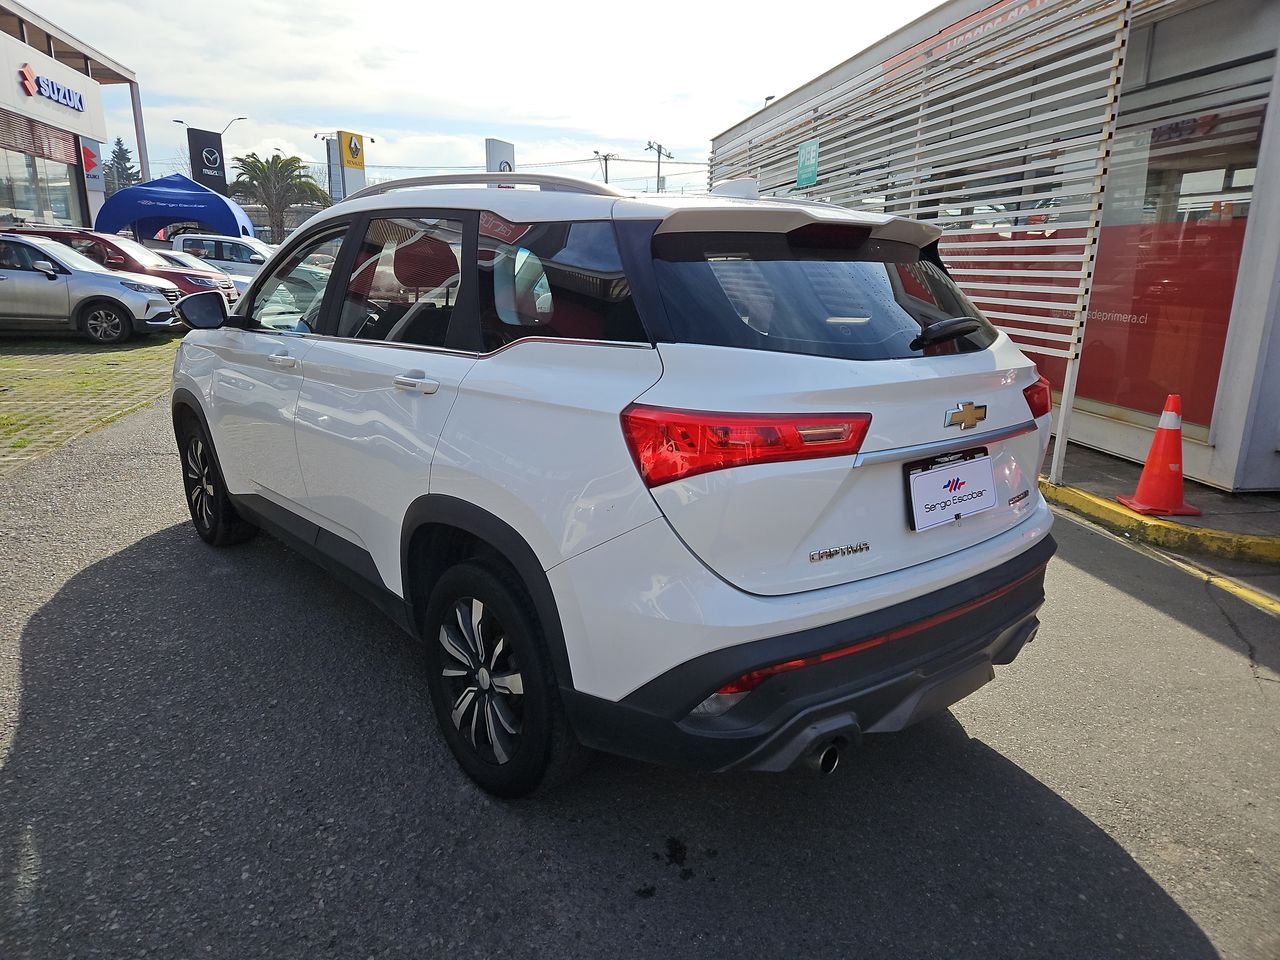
{"points": [[47, 286]]}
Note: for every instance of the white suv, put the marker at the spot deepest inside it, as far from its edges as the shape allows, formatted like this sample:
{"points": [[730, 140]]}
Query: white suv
{"points": [[712, 482]]}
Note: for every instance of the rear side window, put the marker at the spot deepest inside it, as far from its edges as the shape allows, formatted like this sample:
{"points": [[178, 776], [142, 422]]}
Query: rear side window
{"points": [[562, 280], [833, 293], [200, 248], [404, 282]]}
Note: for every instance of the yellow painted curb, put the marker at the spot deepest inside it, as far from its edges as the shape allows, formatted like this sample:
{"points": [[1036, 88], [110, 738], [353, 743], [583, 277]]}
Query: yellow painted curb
{"points": [[1162, 533]]}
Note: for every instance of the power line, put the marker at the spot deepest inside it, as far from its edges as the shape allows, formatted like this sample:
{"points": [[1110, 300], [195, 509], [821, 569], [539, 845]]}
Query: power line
{"points": [[670, 162]]}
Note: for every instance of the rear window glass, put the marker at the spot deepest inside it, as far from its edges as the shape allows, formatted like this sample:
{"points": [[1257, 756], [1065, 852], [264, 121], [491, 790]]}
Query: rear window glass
{"points": [[834, 294]]}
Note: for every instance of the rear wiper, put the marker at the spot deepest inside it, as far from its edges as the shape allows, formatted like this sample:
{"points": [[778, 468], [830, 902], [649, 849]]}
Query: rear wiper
{"points": [[944, 330]]}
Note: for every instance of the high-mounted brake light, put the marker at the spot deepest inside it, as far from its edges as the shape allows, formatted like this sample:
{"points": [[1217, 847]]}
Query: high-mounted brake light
{"points": [[674, 444], [1039, 397]]}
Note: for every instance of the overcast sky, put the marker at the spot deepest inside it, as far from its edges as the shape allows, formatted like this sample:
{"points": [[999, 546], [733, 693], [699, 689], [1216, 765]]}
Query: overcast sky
{"points": [[429, 81]]}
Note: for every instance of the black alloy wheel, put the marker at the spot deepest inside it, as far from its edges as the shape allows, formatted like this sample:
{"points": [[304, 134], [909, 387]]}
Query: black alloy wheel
{"points": [[212, 513], [492, 686]]}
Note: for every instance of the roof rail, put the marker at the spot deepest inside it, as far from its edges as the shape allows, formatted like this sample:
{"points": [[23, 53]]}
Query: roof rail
{"points": [[547, 181]]}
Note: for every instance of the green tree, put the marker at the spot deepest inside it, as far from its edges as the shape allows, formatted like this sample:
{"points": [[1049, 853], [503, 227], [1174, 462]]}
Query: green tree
{"points": [[278, 183], [119, 172]]}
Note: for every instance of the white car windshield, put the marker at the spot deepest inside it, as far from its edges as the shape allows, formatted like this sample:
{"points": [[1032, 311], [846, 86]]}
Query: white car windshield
{"points": [[191, 261]]}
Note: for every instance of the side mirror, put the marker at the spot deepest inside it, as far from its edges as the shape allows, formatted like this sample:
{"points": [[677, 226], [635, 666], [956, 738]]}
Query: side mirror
{"points": [[115, 260], [257, 258], [202, 311], [45, 267]]}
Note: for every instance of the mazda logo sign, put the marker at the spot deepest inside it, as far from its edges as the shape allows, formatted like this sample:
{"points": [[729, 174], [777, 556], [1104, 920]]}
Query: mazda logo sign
{"points": [[211, 157]]}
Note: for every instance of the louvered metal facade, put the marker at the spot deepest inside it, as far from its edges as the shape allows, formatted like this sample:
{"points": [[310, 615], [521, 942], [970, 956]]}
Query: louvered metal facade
{"points": [[999, 127]]}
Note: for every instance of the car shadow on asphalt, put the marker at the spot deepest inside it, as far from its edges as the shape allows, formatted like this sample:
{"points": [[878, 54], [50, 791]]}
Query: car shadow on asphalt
{"points": [[227, 754], [1206, 609]]}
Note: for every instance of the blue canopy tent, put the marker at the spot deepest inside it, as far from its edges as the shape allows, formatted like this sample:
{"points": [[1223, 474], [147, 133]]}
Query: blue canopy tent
{"points": [[149, 207]]}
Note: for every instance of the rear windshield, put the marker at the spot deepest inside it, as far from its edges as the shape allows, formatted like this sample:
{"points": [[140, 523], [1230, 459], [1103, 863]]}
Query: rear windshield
{"points": [[832, 293]]}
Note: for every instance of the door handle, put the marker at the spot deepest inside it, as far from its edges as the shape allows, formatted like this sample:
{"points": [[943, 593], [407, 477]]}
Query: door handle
{"points": [[416, 381], [282, 360]]}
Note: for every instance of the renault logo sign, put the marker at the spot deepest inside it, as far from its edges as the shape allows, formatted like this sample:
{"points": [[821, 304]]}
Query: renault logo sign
{"points": [[352, 149], [34, 85], [210, 156], [965, 415]]}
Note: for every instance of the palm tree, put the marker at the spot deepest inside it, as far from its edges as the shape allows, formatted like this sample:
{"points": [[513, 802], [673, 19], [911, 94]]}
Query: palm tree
{"points": [[278, 183]]}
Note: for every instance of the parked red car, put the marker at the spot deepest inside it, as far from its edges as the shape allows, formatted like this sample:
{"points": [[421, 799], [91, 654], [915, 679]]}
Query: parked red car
{"points": [[120, 253]]}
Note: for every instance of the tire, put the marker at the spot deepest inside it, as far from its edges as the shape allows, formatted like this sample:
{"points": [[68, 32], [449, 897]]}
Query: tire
{"points": [[214, 517], [492, 686], [106, 323]]}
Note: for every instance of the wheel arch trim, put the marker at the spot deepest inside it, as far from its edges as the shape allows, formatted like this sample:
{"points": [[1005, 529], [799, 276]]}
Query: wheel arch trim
{"points": [[446, 511], [89, 302]]}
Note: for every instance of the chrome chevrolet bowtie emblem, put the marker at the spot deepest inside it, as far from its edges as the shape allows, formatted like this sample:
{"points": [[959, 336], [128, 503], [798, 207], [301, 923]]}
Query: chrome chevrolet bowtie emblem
{"points": [[966, 416]]}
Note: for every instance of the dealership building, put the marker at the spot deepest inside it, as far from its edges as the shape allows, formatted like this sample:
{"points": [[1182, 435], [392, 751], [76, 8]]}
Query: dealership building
{"points": [[1107, 177], [52, 126]]}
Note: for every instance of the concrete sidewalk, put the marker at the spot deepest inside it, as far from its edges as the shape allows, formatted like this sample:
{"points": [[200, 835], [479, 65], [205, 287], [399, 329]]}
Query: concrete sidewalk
{"points": [[1242, 527]]}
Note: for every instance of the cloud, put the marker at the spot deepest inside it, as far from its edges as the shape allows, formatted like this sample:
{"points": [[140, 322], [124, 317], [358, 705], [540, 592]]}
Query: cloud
{"points": [[430, 81]]}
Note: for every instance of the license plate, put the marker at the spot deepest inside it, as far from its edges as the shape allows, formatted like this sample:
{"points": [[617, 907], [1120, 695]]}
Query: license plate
{"points": [[948, 488]]}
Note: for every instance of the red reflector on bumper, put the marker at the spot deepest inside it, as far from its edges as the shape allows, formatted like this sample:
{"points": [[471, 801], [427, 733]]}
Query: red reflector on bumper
{"points": [[749, 681]]}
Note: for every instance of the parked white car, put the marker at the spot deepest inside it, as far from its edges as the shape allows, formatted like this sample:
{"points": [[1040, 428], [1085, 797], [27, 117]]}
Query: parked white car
{"points": [[46, 286], [180, 259], [718, 483], [235, 255]]}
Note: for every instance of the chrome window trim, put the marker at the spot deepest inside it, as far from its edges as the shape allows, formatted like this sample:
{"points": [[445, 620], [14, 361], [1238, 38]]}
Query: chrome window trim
{"points": [[628, 344], [935, 448]]}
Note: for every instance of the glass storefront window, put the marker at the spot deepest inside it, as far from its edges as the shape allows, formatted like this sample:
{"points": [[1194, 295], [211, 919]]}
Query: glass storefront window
{"points": [[36, 189], [1173, 224]]}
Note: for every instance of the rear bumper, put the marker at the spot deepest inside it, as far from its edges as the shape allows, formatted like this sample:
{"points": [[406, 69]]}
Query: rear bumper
{"points": [[911, 659]]}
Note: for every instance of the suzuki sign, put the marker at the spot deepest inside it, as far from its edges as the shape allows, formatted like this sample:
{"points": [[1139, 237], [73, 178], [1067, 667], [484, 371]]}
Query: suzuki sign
{"points": [[38, 87], [32, 85]]}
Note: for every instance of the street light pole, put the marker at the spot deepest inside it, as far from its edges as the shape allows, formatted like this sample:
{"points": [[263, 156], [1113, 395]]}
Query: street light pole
{"points": [[224, 129], [657, 148]]}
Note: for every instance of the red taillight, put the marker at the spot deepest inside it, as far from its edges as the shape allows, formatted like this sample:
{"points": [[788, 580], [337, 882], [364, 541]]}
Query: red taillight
{"points": [[674, 444], [1039, 397]]}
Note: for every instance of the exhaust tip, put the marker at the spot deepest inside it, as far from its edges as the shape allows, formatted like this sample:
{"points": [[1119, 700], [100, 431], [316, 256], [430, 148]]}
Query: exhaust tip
{"points": [[828, 760], [825, 758]]}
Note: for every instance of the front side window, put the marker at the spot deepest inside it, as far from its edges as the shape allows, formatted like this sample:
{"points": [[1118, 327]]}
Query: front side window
{"points": [[17, 256], [562, 280], [825, 293], [291, 297], [236, 252], [404, 281]]}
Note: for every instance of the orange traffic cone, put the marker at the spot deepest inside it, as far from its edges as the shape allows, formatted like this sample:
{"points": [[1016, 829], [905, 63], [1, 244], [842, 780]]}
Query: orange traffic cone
{"points": [[1160, 486]]}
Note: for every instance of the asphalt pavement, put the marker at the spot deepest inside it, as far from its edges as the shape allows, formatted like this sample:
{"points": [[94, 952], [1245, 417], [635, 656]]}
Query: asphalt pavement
{"points": [[227, 754]]}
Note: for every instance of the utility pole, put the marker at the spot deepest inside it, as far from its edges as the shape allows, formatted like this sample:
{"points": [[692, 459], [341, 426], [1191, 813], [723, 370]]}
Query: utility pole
{"points": [[657, 148], [604, 159]]}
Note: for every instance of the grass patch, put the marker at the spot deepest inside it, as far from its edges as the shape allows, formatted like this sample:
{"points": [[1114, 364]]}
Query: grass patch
{"points": [[54, 389]]}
